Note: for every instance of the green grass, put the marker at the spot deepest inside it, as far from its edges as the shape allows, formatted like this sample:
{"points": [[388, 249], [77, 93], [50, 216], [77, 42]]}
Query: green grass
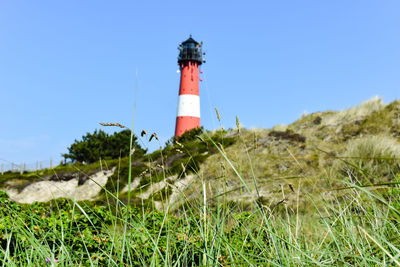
{"points": [[255, 200], [171, 160], [357, 226], [360, 229]]}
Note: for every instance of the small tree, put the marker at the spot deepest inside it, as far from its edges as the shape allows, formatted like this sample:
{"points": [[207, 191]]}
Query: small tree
{"points": [[99, 144]]}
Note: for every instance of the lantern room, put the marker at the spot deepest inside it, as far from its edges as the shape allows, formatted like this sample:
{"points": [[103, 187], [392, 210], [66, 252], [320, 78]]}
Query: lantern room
{"points": [[190, 50]]}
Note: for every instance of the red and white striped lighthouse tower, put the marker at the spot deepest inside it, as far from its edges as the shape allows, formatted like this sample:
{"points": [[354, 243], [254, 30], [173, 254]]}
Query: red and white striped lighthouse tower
{"points": [[189, 59]]}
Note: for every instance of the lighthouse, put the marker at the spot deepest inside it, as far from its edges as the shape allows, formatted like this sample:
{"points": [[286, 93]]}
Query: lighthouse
{"points": [[189, 59]]}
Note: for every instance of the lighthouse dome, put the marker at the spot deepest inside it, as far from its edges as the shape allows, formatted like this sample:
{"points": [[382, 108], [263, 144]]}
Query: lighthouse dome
{"points": [[190, 41], [190, 50]]}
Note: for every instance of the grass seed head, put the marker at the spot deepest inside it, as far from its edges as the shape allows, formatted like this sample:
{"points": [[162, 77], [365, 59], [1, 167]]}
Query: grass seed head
{"points": [[113, 124], [179, 144], [221, 147], [201, 139], [143, 133], [237, 123], [154, 135], [218, 116]]}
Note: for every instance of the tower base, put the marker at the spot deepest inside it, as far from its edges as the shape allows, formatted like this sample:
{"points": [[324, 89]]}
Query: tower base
{"points": [[185, 123]]}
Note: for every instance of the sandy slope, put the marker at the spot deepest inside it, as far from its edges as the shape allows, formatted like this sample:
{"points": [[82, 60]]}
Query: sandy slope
{"points": [[46, 190]]}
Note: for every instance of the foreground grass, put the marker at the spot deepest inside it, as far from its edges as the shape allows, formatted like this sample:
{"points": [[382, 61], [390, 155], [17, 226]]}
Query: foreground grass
{"points": [[357, 226]]}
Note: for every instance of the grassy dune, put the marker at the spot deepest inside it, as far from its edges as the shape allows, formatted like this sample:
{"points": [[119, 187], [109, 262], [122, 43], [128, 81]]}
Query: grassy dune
{"points": [[323, 191]]}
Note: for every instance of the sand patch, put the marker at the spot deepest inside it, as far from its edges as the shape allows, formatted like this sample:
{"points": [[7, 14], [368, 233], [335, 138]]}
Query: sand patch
{"points": [[44, 191]]}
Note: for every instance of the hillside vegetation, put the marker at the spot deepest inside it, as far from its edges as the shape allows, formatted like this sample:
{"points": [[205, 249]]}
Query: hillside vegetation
{"points": [[322, 191], [317, 153]]}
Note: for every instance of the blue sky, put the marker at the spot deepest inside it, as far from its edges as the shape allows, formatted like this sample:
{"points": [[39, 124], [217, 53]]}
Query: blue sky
{"points": [[67, 65]]}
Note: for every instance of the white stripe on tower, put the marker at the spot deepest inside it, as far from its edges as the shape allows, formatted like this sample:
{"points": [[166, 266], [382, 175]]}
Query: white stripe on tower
{"points": [[188, 106]]}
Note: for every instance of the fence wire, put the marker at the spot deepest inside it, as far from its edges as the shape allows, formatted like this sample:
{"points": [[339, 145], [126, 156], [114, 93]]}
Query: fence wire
{"points": [[9, 166]]}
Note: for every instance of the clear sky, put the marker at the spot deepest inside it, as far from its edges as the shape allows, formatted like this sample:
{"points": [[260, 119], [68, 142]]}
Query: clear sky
{"points": [[67, 65]]}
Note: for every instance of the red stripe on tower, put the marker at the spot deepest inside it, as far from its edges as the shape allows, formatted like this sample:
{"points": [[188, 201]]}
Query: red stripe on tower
{"points": [[189, 59]]}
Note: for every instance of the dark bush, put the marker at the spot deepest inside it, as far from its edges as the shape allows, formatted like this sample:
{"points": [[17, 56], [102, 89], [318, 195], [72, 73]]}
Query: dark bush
{"points": [[190, 135], [99, 144], [288, 135]]}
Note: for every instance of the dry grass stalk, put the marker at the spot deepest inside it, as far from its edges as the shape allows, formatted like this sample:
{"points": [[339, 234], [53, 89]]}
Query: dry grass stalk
{"points": [[255, 140], [183, 168]]}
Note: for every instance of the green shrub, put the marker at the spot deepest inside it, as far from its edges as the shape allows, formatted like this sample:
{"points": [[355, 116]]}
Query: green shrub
{"points": [[190, 135], [99, 144]]}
